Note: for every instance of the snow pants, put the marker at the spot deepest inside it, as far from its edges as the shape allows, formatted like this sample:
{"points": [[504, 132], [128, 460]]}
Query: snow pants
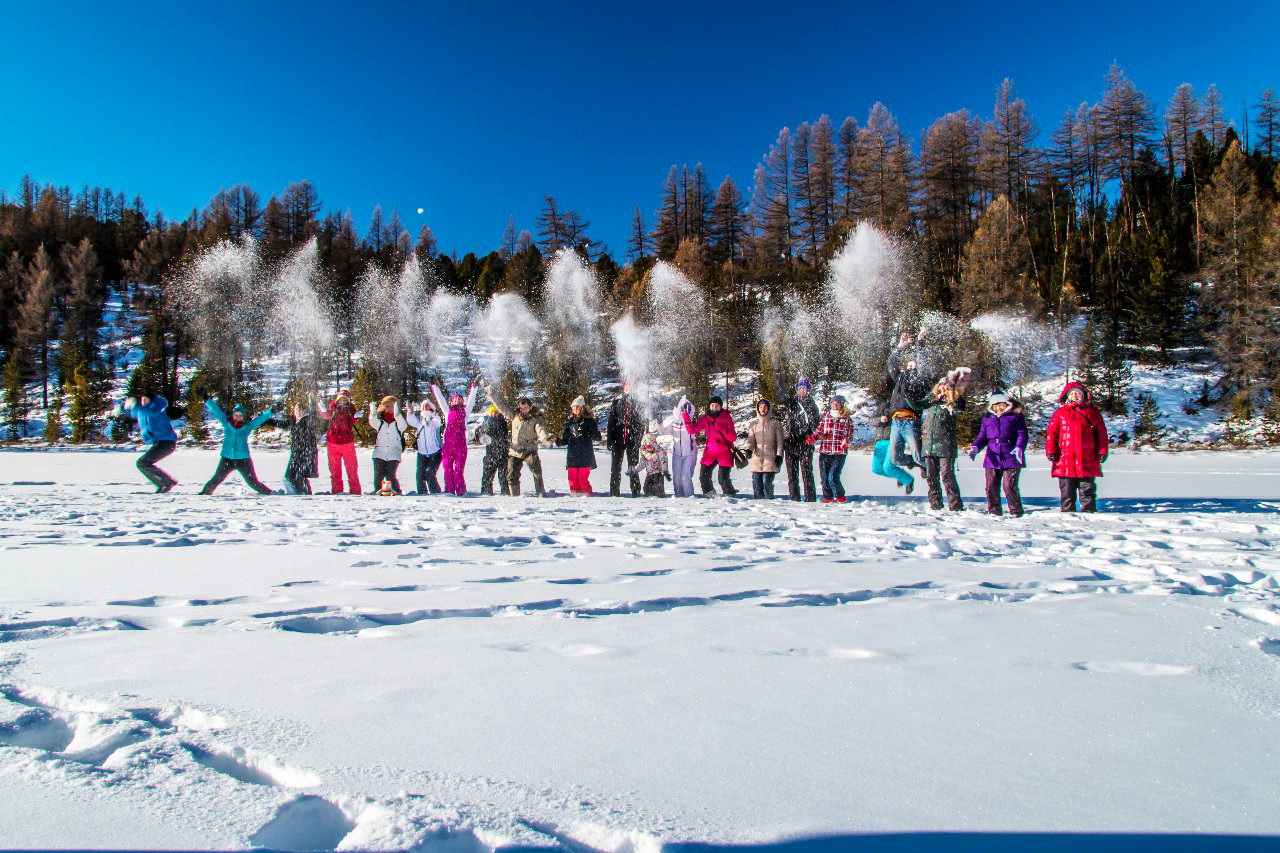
{"points": [[147, 464], [513, 473], [799, 471], [881, 464], [830, 468], [940, 473], [726, 485], [226, 466], [1085, 487], [455, 463], [762, 484], [615, 472], [428, 464], [579, 484], [385, 469], [1009, 478], [344, 456], [495, 464], [682, 474], [904, 437]]}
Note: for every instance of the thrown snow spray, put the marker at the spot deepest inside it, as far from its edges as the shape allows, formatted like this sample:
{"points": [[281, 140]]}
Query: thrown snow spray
{"points": [[448, 317], [869, 284], [302, 326], [1017, 340], [506, 331], [571, 302], [650, 355]]}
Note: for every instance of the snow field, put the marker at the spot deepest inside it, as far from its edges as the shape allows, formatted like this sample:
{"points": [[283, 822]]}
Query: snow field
{"points": [[467, 673]]}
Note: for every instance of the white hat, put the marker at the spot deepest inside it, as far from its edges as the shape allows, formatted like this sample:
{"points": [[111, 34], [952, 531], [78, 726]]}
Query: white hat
{"points": [[579, 401]]}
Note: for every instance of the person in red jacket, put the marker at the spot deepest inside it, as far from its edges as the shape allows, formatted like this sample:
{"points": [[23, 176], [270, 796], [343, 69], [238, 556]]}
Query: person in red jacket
{"points": [[1076, 443], [341, 440], [717, 423]]}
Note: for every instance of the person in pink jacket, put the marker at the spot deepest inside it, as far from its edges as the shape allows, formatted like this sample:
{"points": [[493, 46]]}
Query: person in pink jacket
{"points": [[717, 423], [455, 437]]}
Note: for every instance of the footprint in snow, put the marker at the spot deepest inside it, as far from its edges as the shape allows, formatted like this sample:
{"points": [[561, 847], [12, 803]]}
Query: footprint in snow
{"points": [[307, 823], [1121, 667]]}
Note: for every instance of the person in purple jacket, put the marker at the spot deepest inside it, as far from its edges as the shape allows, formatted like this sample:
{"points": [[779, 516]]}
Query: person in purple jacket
{"points": [[1004, 435]]}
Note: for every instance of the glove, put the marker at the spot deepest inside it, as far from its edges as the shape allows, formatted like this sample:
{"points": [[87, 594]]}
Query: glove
{"points": [[1054, 457], [1103, 458], [1020, 456], [973, 454], [204, 394], [777, 461]]}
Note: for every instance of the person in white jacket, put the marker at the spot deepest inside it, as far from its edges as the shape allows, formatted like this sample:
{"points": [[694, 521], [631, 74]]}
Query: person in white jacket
{"points": [[387, 419], [455, 437], [427, 422], [684, 450]]}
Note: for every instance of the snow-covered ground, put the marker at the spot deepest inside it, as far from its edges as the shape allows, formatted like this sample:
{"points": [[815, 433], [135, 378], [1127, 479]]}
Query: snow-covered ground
{"points": [[597, 674]]}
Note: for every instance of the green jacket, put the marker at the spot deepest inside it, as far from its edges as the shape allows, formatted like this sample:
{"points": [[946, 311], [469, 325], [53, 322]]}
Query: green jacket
{"points": [[235, 440]]}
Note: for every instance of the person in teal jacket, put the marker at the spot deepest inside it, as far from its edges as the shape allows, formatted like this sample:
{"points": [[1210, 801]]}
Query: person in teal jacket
{"points": [[153, 419], [235, 447]]}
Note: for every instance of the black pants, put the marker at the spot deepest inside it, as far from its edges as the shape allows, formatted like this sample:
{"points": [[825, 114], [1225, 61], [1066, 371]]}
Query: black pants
{"points": [[385, 469], [428, 465], [762, 484], [300, 484], [147, 464], [1009, 478], [800, 461], [226, 466], [726, 485], [513, 473], [615, 472], [495, 464], [1085, 487], [942, 468], [655, 486]]}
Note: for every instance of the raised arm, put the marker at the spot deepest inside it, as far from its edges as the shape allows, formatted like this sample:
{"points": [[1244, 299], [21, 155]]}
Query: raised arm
{"points": [[263, 416], [373, 416], [216, 411], [415, 420], [500, 404], [439, 395], [471, 399]]}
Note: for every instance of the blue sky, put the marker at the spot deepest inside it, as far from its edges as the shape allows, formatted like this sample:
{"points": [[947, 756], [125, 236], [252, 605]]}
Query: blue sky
{"points": [[472, 111]]}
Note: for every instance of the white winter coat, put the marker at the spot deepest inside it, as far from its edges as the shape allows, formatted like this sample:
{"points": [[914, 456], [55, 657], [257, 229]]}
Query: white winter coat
{"points": [[390, 443], [682, 442], [428, 428]]}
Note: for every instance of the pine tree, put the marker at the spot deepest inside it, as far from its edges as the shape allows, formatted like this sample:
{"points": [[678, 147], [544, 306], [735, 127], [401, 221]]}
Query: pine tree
{"points": [[1236, 300], [1215, 122], [1235, 429], [728, 229], [1148, 430], [771, 202], [1182, 120], [1268, 124], [1271, 426], [35, 317], [197, 426], [639, 243], [883, 167], [848, 178], [948, 185], [1007, 158], [88, 400], [693, 378], [365, 386], [16, 406], [53, 418], [994, 271]]}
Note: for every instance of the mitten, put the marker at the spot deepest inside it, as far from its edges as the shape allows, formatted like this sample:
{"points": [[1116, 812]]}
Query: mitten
{"points": [[1019, 455], [1054, 457], [973, 453], [777, 461], [1102, 458], [810, 440]]}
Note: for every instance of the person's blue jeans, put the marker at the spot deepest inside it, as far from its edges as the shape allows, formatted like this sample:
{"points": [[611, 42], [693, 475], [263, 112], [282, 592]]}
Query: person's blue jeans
{"points": [[881, 464], [904, 437], [830, 466]]}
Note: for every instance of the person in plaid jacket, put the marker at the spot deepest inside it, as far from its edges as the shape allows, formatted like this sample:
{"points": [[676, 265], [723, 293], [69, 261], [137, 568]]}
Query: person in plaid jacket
{"points": [[832, 440]]}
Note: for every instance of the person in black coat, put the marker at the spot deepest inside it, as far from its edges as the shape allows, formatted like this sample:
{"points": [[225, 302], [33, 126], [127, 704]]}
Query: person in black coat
{"points": [[623, 435], [800, 423], [581, 432], [495, 434]]}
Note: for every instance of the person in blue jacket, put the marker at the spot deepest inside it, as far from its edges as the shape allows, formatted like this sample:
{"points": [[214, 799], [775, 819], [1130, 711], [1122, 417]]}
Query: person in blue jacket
{"points": [[235, 447], [151, 413]]}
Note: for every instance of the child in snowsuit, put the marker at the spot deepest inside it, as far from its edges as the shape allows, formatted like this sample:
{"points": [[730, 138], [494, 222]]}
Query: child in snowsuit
{"points": [[684, 449], [494, 433], [340, 439], [653, 464], [153, 420], [832, 439], [1077, 445], [717, 423], [938, 444], [1004, 435], [764, 441], [802, 418], [881, 463], [235, 447], [388, 449], [581, 432], [455, 437], [304, 451], [429, 446]]}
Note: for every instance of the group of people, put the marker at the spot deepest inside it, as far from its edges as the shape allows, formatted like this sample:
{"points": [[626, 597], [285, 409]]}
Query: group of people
{"points": [[917, 431]]}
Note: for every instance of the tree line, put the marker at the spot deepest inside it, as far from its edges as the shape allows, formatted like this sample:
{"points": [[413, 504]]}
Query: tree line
{"points": [[1160, 224]]}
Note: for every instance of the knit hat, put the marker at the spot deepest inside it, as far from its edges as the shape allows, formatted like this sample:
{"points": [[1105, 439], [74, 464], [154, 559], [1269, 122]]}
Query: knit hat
{"points": [[998, 397], [805, 384], [493, 410], [768, 407], [839, 398], [579, 401], [715, 401], [239, 410]]}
